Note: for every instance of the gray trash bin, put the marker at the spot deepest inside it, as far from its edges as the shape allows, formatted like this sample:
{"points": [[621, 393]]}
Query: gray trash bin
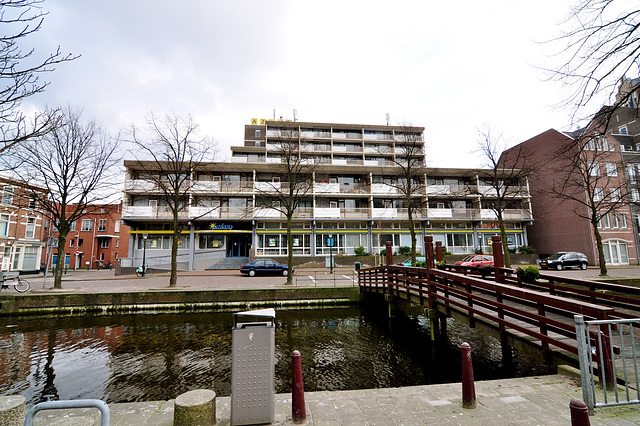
{"points": [[253, 367]]}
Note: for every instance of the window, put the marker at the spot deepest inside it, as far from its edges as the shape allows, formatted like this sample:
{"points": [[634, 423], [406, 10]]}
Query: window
{"points": [[101, 257], [614, 220], [612, 170], [80, 242], [33, 203], [116, 227], [71, 242], [594, 168], [631, 172], [622, 130], [72, 227], [102, 225], [615, 194], [87, 225], [257, 133], [605, 221], [117, 243], [105, 243], [30, 231], [635, 194], [622, 221], [598, 194], [7, 195], [4, 225]]}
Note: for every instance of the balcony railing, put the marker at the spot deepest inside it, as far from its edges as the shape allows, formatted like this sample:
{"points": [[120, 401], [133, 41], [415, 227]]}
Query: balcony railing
{"points": [[468, 214], [508, 214], [139, 185]]}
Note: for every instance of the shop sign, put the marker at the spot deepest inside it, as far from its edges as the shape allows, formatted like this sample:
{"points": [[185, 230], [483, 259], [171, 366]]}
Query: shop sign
{"points": [[220, 227]]}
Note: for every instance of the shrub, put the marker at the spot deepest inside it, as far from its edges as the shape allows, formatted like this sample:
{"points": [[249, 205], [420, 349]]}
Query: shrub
{"points": [[405, 251], [527, 250], [446, 252], [485, 270], [420, 264], [528, 274], [440, 264], [478, 251], [513, 250], [383, 252], [359, 251]]}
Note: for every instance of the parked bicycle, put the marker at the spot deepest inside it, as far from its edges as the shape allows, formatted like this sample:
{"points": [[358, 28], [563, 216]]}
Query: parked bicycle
{"points": [[18, 283], [146, 272]]}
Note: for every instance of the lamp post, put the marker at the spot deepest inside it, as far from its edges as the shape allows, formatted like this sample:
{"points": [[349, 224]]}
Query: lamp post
{"points": [[144, 252], [330, 243]]}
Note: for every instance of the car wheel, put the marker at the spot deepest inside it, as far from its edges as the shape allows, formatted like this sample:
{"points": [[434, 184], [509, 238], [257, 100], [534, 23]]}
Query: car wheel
{"points": [[583, 266], [559, 266], [252, 273], [285, 272]]}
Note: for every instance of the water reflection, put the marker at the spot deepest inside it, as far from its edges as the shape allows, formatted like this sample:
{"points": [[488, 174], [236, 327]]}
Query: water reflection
{"points": [[121, 358]]}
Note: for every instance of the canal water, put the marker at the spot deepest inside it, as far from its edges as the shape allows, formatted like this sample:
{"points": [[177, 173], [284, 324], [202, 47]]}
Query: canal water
{"points": [[144, 357]]}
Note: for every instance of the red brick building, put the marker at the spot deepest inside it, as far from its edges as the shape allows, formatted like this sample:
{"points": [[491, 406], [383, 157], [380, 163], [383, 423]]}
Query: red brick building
{"points": [[560, 224], [22, 226], [96, 240]]}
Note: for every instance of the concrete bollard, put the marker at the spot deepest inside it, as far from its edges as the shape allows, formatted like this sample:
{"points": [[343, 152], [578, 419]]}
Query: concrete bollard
{"points": [[579, 413], [12, 410], [196, 407], [468, 384], [298, 410]]}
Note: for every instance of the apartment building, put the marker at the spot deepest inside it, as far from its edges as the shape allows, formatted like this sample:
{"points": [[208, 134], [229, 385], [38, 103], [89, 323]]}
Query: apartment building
{"points": [[22, 227], [355, 199], [609, 170], [94, 240]]}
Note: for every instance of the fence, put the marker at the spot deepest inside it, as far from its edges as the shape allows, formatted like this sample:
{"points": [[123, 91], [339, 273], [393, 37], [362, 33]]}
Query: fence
{"points": [[323, 279], [615, 341]]}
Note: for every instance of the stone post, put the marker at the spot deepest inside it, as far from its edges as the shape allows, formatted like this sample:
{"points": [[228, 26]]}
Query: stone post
{"points": [[389, 251], [439, 251], [12, 410], [196, 407], [498, 257]]}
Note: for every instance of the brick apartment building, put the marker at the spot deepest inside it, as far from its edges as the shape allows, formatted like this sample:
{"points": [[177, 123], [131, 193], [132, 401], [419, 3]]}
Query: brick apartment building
{"points": [[22, 227], [95, 240], [610, 146]]}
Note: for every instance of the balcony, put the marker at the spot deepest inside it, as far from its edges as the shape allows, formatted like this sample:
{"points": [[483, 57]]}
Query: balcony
{"points": [[154, 212], [327, 188], [383, 188], [468, 214], [508, 214], [447, 190], [267, 186], [139, 185]]}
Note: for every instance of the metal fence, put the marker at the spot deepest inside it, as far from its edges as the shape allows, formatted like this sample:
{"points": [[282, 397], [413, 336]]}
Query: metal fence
{"points": [[608, 349]]}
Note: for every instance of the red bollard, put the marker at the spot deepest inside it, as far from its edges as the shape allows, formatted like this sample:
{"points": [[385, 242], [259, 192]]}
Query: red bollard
{"points": [[298, 411], [468, 384], [579, 413]]}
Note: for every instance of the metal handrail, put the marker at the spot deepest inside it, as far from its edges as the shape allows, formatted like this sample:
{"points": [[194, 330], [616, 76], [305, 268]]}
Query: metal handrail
{"points": [[75, 403]]}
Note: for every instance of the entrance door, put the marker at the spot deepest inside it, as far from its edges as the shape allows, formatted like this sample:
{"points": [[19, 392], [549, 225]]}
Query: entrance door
{"points": [[238, 245]]}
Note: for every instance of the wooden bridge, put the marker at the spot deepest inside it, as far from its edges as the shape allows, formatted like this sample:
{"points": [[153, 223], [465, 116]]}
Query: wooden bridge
{"points": [[540, 313]]}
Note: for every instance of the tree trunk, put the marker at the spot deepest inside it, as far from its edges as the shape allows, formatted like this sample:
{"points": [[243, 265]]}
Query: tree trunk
{"points": [[173, 279], [57, 276], [289, 250], [505, 244], [601, 261], [412, 231]]}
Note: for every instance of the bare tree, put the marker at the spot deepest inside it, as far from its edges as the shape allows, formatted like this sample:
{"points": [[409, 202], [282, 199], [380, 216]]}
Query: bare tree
{"points": [[599, 45], [504, 177], [20, 72], [170, 151], [291, 183], [75, 162], [581, 179], [409, 172]]}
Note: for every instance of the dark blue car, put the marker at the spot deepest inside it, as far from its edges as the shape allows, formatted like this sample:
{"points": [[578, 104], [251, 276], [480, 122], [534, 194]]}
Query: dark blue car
{"points": [[264, 266]]}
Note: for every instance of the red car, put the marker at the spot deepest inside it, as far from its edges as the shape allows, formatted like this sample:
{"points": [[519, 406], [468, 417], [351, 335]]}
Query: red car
{"points": [[476, 260]]}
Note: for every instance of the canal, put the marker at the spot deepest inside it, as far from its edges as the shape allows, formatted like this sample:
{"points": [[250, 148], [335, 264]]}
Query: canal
{"points": [[144, 357]]}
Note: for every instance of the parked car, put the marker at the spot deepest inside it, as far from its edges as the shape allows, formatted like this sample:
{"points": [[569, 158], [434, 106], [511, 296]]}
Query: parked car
{"points": [[265, 266], [476, 260], [565, 259], [407, 262]]}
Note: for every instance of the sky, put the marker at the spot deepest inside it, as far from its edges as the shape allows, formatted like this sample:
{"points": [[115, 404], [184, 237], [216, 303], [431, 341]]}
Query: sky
{"points": [[451, 67]]}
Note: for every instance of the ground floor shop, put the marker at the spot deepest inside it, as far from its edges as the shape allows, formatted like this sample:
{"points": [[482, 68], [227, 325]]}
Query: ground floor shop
{"points": [[202, 242]]}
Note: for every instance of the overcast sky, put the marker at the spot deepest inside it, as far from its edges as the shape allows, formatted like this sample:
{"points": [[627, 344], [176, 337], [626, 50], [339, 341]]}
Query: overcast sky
{"points": [[447, 66]]}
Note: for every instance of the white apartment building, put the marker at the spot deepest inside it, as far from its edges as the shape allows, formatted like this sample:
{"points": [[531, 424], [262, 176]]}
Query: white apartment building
{"points": [[354, 199]]}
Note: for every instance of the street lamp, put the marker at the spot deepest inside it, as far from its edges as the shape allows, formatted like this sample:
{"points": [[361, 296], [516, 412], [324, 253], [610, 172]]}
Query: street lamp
{"points": [[144, 252], [330, 243]]}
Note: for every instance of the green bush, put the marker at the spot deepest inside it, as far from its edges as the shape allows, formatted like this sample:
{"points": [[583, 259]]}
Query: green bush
{"points": [[359, 251], [528, 274], [513, 250], [440, 265], [420, 264], [383, 252], [485, 270], [405, 251], [446, 252], [527, 250], [478, 251]]}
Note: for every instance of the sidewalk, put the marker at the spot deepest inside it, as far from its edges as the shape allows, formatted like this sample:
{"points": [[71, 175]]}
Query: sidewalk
{"points": [[541, 400]]}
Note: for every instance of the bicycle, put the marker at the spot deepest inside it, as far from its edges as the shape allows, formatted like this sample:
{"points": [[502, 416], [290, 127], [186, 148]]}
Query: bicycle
{"points": [[18, 283], [147, 271]]}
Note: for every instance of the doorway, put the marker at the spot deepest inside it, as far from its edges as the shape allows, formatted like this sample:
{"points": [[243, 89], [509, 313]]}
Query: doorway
{"points": [[238, 245]]}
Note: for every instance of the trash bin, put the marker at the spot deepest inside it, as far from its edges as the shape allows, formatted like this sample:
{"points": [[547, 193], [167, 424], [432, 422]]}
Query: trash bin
{"points": [[357, 266], [253, 367]]}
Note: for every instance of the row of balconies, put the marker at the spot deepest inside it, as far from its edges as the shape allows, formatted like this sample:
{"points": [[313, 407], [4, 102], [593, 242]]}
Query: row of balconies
{"points": [[215, 187], [319, 134], [197, 212]]}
